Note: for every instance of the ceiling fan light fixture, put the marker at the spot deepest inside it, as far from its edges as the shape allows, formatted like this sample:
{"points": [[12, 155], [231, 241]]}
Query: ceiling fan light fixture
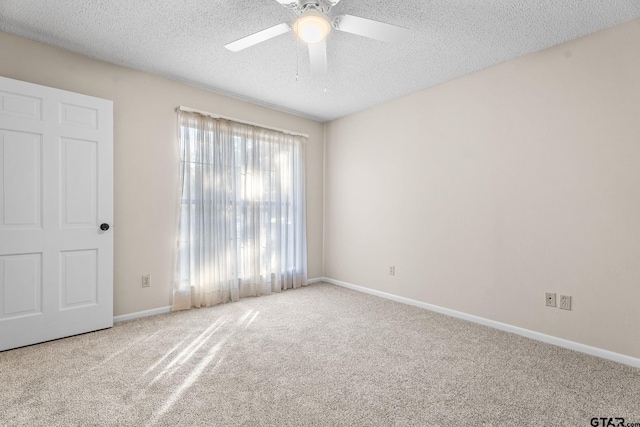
{"points": [[312, 28]]}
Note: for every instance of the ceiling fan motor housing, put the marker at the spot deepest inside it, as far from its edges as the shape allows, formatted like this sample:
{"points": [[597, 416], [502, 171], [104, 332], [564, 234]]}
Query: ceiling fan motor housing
{"points": [[321, 6]]}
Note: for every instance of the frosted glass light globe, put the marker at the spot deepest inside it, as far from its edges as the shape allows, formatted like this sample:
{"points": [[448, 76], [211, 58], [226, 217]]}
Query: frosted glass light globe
{"points": [[312, 28]]}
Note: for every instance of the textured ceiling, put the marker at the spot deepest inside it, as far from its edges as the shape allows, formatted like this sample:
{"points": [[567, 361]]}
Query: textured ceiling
{"points": [[184, 40]]}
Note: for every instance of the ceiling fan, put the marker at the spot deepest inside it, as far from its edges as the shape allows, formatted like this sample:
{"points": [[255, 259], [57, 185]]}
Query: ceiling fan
{"points": [[313, 25]]}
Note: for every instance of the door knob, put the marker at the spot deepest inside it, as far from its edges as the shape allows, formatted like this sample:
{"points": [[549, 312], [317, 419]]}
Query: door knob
{"points": [[104, 226]]}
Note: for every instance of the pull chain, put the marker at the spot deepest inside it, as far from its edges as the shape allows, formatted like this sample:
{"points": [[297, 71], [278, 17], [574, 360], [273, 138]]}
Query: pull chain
{"points": [[326, 80], [297, 60]]}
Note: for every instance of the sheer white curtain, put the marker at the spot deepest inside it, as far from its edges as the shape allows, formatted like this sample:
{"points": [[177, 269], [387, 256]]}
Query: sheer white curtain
{"points": [[242, 225]]}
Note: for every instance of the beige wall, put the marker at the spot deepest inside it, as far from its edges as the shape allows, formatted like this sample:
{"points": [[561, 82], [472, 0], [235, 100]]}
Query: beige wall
{"points": [[487, 191], [146, 158]]}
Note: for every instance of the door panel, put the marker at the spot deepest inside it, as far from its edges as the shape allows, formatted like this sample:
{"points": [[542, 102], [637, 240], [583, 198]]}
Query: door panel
{"points": [[78, 278], [56, 188], [79, 173], [12, 104], [74, 115], [21, 284], [21, 179]]}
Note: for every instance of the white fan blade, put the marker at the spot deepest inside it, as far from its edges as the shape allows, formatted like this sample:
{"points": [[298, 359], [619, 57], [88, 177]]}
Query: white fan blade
{"points": [[369, 28], [318, 57], [258, 37]]}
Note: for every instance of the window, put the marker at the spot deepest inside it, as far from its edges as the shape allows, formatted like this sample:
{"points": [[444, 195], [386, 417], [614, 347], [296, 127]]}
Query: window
{"points": [[242, 218]]}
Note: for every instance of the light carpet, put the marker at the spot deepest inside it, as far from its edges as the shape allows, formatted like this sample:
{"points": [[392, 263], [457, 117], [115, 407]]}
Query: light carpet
{"points": [[315, 356]]}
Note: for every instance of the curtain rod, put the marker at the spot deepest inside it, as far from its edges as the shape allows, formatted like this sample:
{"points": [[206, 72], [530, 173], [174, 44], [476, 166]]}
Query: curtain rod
{"points": [[244, 122]]}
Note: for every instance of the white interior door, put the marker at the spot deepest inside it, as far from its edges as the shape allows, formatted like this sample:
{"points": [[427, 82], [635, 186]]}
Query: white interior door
{"points": [[56, 191]]}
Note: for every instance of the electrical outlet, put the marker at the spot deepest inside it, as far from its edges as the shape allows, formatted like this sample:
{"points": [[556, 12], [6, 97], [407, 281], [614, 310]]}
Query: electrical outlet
{"points": [[146, 281], [550, 299], [392, 270], [565, 302]]}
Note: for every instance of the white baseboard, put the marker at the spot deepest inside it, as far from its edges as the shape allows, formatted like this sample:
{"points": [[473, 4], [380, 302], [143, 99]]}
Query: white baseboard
{"points": [[162, 310], [139, 314], [549, 339]]}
